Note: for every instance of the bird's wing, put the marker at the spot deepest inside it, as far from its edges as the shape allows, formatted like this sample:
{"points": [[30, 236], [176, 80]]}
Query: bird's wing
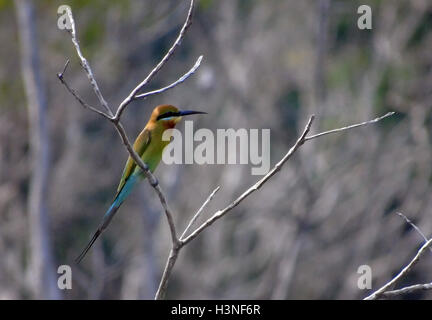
{"points": [[140, 145]]}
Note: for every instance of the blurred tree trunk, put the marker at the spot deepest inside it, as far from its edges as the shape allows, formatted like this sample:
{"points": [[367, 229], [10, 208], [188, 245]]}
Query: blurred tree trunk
{"points": [[320, 90], [41, 269]]}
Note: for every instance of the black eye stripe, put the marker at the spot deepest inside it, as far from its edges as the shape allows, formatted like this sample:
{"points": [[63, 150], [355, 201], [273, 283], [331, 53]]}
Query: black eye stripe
{"points": [[167, 115]]}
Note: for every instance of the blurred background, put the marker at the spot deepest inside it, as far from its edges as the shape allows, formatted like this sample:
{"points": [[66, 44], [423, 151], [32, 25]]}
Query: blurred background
{"points": [[267, 64]]}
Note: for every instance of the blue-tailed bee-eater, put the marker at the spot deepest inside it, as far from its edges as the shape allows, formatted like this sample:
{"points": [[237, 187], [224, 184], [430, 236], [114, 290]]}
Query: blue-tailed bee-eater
{"points": [[149, 146]]}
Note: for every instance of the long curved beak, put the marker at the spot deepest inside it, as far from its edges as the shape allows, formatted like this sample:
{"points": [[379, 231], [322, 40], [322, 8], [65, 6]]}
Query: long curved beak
{"points": [[189, 112]]}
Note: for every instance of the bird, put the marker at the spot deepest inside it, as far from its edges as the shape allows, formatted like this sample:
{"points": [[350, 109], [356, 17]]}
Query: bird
{"points": [[149, 146]]}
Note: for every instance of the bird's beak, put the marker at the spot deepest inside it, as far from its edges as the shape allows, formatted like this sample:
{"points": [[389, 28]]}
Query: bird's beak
{"points": [[189, 112]]}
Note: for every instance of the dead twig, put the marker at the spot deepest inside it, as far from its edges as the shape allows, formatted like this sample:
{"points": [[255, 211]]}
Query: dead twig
{"points": [[406, 290], [400, 214], [379, 293]]}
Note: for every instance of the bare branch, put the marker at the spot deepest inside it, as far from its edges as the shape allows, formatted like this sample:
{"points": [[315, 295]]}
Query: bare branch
{"points": [[303, 138], [388, 114], [172, 258], [406, 290], [86, 65], [64, 69], [378, 293], [60, 76], [163, 284], [168, 55], [172, 85], [382, 292], [219, 214]]}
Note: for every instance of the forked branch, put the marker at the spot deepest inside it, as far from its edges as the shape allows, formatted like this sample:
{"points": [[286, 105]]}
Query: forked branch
{"points": [[385, 291], [184, 240]]}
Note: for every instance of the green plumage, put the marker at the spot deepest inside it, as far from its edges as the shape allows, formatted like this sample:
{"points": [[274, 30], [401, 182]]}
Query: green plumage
{"points": [[149, 146]]}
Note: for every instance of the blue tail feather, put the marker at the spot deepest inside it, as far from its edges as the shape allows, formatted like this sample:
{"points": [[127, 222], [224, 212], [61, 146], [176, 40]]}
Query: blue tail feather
{"points": [[121, 197], [124, 193]]}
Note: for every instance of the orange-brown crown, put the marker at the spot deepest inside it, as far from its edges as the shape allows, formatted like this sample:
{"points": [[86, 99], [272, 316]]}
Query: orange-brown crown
{"points": [[162, 109]]}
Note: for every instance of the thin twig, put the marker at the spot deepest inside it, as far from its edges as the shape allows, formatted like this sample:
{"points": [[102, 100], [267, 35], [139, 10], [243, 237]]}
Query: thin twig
{"points": [[172, 85], [168, 55], [388, 114], [409, 289], [60, 76], [400, 214], [378, 293], [64, 69], [198, 213], [85, 64], [382, 292]]}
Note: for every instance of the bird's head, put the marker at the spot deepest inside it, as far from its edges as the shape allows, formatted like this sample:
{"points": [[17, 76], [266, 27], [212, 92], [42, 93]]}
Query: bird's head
{"points": [[169, 116]]}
